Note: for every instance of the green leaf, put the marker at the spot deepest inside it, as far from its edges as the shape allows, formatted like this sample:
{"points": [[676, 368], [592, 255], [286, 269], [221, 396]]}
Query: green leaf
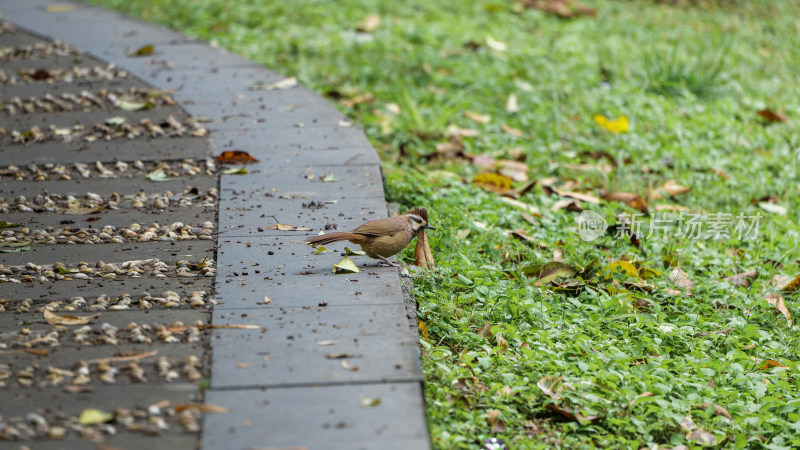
{"points": [[91, 416], [145, 50], [346, 265], [9, 225], [235, 171], [158, 175], [134, 106], [14, 247], [320, 249], [63, 270], [349, 252]]}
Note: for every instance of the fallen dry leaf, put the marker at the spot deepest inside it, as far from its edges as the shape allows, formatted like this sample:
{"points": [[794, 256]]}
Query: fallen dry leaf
{"points": [[346, 265], [772, 116], [516, 170], [479, 118], [776, 300], [348, 366], [458, 132], [131, 357], [235, 157], [635, 201], [565, 9], [497, 426], [201, 407], [577, 195], [369, 24], [681, 279], [422, 252], [424, 330], [512, 106], [742, 279], [511, 131], [285, 83], [286, 227], [718, 409], [54, 319]]}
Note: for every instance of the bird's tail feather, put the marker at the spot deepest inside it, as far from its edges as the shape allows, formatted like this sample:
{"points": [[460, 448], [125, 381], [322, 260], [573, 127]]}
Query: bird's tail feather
{"points": [[330, 237]]}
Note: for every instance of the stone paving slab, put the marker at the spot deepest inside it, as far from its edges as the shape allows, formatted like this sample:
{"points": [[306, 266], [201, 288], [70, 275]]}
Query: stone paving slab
{"points": [[366, 345], [27, 90], [92, 288], [104, 187], [293, 157], [54, 152], [246, 218], [332, 418], [45, 120], [193, 215], [169, 252]]}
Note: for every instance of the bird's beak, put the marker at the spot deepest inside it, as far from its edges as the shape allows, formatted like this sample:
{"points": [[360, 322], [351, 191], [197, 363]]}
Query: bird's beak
{"points": [[429, 227]]}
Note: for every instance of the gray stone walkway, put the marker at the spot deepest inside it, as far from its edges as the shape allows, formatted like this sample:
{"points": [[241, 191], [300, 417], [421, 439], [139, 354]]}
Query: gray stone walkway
{"points": [[240, 316]]}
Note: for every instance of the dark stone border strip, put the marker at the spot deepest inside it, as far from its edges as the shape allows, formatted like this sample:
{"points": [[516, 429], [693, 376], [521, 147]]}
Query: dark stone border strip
{"points": [[341, 395]]}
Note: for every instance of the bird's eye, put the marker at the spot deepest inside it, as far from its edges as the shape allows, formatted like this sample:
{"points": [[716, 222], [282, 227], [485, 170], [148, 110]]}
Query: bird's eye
{"points": [[417, 219]]}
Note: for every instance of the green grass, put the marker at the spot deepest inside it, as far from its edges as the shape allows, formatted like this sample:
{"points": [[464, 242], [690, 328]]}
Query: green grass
{"points": [[690, 80]]}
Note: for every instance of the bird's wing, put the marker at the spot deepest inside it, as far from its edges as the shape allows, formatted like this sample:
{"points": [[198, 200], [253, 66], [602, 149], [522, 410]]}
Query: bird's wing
{"points": [[384, 228]]}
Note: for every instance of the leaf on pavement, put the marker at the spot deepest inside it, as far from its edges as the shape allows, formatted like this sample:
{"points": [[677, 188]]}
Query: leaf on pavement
{"points": [[286, 227], [91, 416], [158, 175], [14, 247], [202, 408], [235, 157], [285, 83], [235, 171], [346, 265], [145, 50], [55, 319]]}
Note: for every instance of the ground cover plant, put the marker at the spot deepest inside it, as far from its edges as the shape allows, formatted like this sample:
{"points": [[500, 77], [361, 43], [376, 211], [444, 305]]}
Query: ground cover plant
{"points": [[510, 120]]}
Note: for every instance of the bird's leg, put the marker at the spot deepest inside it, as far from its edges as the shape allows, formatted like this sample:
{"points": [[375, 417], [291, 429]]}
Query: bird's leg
{"points": [[388, 262]]}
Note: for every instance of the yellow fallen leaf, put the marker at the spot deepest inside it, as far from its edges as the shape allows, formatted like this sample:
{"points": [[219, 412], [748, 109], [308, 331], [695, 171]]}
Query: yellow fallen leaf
{"points": [[54, 319], [346, 265], [91, 416], [60, 8], [492, 182], [616, 126]]}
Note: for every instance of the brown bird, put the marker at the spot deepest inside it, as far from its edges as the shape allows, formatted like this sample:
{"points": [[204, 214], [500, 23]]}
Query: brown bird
{"points": [[382, 238]]}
